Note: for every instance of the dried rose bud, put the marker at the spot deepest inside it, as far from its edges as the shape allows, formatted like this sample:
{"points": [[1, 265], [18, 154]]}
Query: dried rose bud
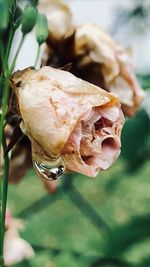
{"points": [[69, 119], [28, 19], [101, 61], [59, 18]]}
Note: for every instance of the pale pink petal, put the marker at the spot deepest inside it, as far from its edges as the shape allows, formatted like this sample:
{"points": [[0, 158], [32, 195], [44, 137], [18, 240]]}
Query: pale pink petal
{"points": [[16, 249]]}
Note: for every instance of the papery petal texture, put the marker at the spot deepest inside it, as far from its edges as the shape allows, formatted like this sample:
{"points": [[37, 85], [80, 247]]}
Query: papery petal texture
{"points": [[67, 117]]}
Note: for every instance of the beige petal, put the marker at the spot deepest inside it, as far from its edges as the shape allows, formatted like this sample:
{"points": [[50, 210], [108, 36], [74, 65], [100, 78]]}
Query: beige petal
{"points": [[51, 102]]}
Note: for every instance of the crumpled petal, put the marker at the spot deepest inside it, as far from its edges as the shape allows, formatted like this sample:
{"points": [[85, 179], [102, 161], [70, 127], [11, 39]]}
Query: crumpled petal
{"points": [[64, 115], [94, 144]]}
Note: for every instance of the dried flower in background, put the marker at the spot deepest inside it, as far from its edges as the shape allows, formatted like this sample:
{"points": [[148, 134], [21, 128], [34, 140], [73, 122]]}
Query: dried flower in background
{"points": [[61, 32], [95, 57], [96, 53]]}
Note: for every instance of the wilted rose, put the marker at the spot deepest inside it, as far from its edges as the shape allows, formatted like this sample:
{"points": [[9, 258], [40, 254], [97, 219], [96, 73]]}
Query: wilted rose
{"points": [[101, 61], [67, 117]]}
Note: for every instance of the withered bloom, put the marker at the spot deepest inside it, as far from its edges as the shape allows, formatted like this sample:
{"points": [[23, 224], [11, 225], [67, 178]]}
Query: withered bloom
{"points": [[101, 61], [69, 119]]}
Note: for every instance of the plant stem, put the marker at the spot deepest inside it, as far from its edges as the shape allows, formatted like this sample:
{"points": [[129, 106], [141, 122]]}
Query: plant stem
{"points": [[4, 203], [4, 106], [1, 52], [4, 167], [11, 35], [37, 56], [3, 179], [16, 55], [5, 188]]}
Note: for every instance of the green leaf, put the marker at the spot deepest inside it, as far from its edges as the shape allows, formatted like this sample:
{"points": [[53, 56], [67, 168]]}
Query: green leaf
{"points": [[4, 13]]}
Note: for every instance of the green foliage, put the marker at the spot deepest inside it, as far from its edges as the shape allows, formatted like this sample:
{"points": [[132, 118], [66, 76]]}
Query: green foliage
{"points": [[62, 235], [135, 137], [4, 13], [144, 80], [29, 19], [131, 233], [35, 2]]}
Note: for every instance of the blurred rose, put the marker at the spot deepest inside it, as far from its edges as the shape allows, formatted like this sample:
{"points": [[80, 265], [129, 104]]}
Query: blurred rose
{"points": [[101, 61], [15, 248], [96, 58], [67, 117], [59, 18]]}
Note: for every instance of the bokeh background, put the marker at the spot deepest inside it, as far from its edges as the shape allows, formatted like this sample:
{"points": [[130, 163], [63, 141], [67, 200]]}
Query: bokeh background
{"points": [[102, 221]]}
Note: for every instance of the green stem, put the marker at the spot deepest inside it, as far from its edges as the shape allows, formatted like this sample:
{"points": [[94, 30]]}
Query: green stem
{"points": [[1, 52], [1, 255], [4, 106], [11, 35], [37, 56], [5, 189], [4, 203], [17, 53], [3, 179], [4, 171]]}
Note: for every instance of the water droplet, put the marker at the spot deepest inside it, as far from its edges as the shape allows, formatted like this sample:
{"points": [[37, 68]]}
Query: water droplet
{"points": [[50, 173]]}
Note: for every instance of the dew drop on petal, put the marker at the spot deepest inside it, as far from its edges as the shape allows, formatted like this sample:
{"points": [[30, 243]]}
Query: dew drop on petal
{"points": [[47, 172]]}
